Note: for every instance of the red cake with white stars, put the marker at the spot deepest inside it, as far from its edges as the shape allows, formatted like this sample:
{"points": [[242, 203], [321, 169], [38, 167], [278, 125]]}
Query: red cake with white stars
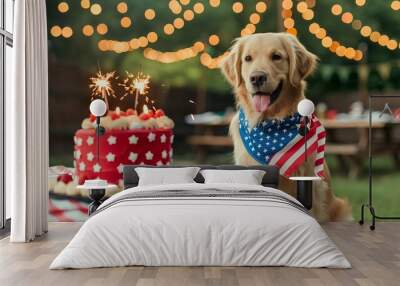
{"points": [[130, 139]]}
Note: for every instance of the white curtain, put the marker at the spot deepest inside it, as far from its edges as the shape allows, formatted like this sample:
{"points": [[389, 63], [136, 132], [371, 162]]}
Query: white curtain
{"points": [[27, 123]]}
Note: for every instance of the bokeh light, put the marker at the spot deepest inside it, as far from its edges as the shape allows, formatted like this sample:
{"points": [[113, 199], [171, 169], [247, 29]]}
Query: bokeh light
{"points": [[149, 14]]}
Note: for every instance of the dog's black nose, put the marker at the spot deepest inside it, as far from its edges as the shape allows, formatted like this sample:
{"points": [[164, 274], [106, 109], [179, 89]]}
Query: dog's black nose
{"points": [[258, 78]]}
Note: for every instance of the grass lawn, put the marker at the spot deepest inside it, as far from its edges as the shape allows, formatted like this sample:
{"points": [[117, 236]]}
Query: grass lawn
{"points": [[386, 187], [386, 181]]}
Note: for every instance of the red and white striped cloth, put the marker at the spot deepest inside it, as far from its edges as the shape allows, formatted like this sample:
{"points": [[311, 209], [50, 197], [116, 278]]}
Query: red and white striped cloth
{"points": [[293, 154], [280, 142]]}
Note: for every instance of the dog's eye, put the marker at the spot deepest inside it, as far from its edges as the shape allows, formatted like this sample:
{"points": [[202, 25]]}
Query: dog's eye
{"points": [[248, 58], [276, 57]]}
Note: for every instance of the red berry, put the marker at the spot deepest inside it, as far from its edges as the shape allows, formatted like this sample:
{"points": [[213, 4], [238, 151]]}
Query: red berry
{"points": [[145, 116], [114, 116], [92, 118], [65, 178], [81, 180], [160, 113], [130, 111]]}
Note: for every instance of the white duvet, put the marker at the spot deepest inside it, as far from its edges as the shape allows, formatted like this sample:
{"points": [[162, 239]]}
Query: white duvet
{"points": [[202, 231]]}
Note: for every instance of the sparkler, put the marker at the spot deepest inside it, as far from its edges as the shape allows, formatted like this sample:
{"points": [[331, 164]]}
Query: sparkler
{"points": [[101, 85], [136, 85]]}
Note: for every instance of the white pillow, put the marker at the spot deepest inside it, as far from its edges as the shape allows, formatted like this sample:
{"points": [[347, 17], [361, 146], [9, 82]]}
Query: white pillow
{"points": [[248, 177], [166, 176]]}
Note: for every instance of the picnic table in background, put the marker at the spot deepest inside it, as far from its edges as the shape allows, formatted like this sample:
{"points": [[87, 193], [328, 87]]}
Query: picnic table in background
{"points": [[347, 139]]}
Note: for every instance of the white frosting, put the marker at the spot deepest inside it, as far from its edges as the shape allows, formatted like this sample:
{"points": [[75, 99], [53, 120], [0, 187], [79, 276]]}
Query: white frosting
{"points": [[130, 122]]}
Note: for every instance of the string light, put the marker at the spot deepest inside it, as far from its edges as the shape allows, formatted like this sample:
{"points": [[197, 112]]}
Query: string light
{"points": [[102, 29], [126, 22], [63, 7], [149, 14], [188, 15], [360, 2], [169, 29], [347, 17], [334, 46], [85, 4], [303, 7], [179, 23], [237, 7], [67, 32], [321, 33], [122, 7], [395, 5], [213, 40], [366, 31], [198, 8], [261, 7], [336, 9], [95, 9], [288, 20], [152, 37], [87, 30], [184, 2], [175, 7], [254, 18], [56, 31], [171, 57], [214, 3]]}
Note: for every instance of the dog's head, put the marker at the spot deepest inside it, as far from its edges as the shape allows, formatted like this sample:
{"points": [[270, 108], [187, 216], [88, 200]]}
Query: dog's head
{"points": [[266, 68]]}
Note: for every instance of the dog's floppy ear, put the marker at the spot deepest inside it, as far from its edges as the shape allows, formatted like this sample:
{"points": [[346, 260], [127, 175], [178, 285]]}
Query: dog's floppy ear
{"points": [[301, 62], [231, 65]]}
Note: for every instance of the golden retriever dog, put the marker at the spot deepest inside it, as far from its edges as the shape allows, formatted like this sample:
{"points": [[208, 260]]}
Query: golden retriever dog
{"points": [[267, 72]]}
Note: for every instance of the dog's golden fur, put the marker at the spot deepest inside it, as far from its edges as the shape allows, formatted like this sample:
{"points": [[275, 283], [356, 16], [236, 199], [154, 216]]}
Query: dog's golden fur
{"points": [[284, 60]]}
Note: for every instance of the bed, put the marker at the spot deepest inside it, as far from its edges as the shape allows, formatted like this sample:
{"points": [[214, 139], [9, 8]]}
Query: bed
{"points": [[198, 224]]}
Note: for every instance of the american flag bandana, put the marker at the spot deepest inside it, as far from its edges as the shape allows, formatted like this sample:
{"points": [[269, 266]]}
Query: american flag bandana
{"points": [[279, 143]]}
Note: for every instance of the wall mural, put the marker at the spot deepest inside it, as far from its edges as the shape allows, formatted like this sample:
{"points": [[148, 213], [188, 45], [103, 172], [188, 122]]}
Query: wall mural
{"points": [[155, 64]]}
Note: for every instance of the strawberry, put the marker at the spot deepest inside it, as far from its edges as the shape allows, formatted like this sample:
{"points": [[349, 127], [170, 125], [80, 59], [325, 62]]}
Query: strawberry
{"points": [[145, 116], [130, 111], [65, 178], [159, 113], [81, 180], [114, 116]]}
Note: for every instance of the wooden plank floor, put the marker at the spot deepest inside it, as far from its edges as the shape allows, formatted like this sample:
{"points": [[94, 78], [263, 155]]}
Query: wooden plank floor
{"points": [[375, 257]]}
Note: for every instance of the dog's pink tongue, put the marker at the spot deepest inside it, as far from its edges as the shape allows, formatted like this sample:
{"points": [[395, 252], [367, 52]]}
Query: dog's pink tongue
{"points": [[261, 103]]}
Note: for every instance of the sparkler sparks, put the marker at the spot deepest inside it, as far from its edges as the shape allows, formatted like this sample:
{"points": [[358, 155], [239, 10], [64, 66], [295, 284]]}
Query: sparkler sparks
{"points": [[101, 85], [135, 85]]}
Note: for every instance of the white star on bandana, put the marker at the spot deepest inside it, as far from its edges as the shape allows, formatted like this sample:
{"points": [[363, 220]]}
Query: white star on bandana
{"points": [[163, 138]]}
